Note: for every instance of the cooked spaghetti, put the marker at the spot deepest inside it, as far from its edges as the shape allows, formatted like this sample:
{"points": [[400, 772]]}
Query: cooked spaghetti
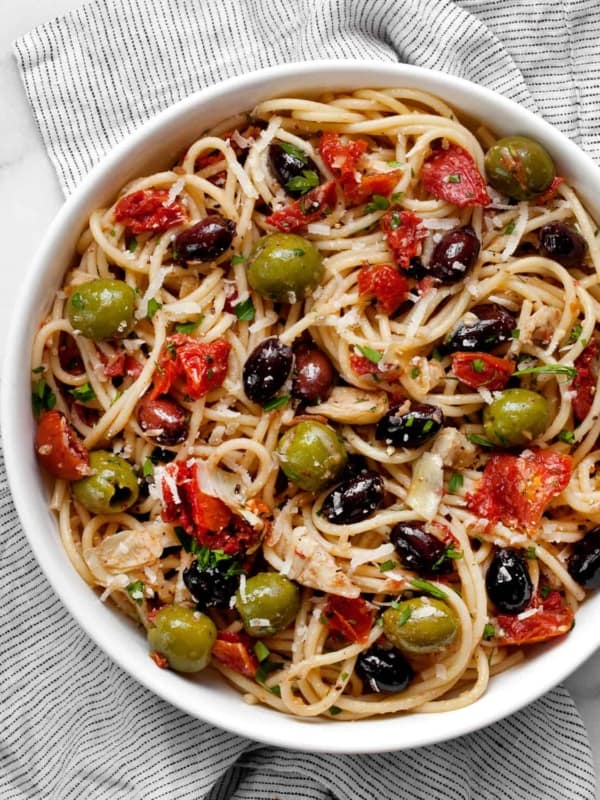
{"points": [[322, 396]]}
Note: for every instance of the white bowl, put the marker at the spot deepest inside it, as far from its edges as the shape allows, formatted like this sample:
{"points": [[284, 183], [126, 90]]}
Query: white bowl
{"points": [[209, 698]]}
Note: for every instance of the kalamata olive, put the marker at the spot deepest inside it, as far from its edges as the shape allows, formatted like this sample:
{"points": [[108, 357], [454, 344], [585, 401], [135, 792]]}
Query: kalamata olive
{"points": [[314, 375], [289, 162], [312, 455], [584, 561], [384, 669], [419, 550], [454, 255], [163, 420], [206, 240], [411, 429], [493, 326], [184, 636], [519, 167], [268, 604], [355, 465], [420, 625], [211, 586], [562, 243], [266, 369], [515, 417], [354, 500], [507, 581]]}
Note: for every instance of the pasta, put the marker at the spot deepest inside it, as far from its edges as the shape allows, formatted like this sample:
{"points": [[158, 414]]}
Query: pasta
{"points": [[326, 394]]}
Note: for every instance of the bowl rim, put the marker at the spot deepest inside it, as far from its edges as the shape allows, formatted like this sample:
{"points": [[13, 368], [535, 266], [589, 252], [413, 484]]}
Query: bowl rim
{"points": [[255, 722]]}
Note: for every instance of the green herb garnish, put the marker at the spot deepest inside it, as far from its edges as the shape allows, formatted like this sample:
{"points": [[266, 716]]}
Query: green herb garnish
{"points": [[510, 227], [480, 440], [531, 553], [455, 483], [132, 244], [83, 394], [245, 311], [294, 151], [488, 632], [478, 365], [335, 710], [378, 203], [575, 334], [135, 590], [261, 651], [277, 402], [188, 327], [558, 369], [42, 397], [566, 436], [237, 260], [303, 183], [545, 590], [454, 178], [387, 565], [266, 668], [152, 307], [415, 372], [425, 586], [372, 355], [147, 468], [404, 616]]}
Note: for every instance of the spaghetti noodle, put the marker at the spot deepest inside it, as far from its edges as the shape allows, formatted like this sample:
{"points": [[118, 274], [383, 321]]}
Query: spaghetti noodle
{"points": [[429, 300]]}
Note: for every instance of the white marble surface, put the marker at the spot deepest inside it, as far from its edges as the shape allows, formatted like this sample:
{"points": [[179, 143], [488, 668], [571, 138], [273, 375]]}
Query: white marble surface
{"points": [[31, 197]]}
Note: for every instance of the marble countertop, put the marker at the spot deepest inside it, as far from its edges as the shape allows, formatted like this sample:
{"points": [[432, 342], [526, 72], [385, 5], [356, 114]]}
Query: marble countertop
{"points": [[32, 197]]}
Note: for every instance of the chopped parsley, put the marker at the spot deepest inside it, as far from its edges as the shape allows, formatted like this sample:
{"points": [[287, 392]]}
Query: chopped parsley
{"points": [[455, 483], [387, 565], [454, 178], [293, 151], [245, 311], [83, 394], [135, 590], [372, 355], [425, 586], [132, 244], [575, 334], [277, 402], [478, 365], [515, 333], [558, 369], [436, 354], [415, 372], [266, 668], [449, 553], [488, 632], [566, 436], [378, 203], [395, 220], [510, 227], [531, 553], [303, 183], [545, 590], [188, 327], [397, 198], [335, 710], [395, 164], [77, 301], [39, 369], [147, 468], [261, 651], [152, 307], [428, 426], [404, 616], [42, 397], [237, 260], [480, 440]]}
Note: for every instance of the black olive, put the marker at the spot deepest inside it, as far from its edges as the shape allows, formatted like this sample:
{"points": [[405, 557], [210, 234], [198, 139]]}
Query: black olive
{"points": [[314, 375], [416, 269], [562, 243], [454, 255], [419, 550], [163, 420], [356, 465], [384, 670], [289, 162], [210, 586], [204, 241], [584, 561], [507, 581], [266, 369], [411, 429], [354, 499], [493, 326]]}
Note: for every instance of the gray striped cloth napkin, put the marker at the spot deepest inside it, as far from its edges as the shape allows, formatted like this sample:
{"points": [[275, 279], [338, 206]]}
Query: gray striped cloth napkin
{"points": [[73, 724]]}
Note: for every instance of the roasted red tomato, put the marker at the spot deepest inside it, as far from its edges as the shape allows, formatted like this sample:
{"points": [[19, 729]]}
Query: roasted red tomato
{"points": [[515, 490], [552, 617], [584, 383], [342, 156], [202, 365], [314, 205], [452, 175], [382, 183], [59, 449], [147, 211], [234, 650], [482, 369], [550, 192], [121, 365], [404, 234], [351, 618], [385, 284]]}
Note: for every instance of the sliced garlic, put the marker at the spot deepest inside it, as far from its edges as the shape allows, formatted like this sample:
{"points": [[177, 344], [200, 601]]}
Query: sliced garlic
{"points": [[351, 405]]}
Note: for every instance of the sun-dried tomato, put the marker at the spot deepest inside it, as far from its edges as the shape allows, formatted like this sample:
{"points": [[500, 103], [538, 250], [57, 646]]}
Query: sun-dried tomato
{"points": [[342, 156], [381, 183], [351, 618], [121, 365], [234, 650], [404, 233], [385, 284], [314, 205], [148, 210], [201, 365], [482, 370], [552, 617], [550, 192], [584, 383], [451, 174], [59, 449], [515, 490]]}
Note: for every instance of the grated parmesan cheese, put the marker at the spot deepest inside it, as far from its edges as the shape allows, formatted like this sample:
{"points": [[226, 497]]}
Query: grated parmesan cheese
{"points": [[374, 554], [530, 612], [153, 287]]}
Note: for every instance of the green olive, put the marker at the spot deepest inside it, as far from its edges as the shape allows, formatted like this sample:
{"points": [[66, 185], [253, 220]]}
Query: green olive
{"points": [[111, 488], [420, 625], [311, 455], [267, 604], [285, 267], [102, 309], [184, 636], [519, 167], [515, 417]]}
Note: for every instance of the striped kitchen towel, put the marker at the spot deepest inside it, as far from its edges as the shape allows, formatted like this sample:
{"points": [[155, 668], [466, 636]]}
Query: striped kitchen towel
{"points": [[74, 725]]}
